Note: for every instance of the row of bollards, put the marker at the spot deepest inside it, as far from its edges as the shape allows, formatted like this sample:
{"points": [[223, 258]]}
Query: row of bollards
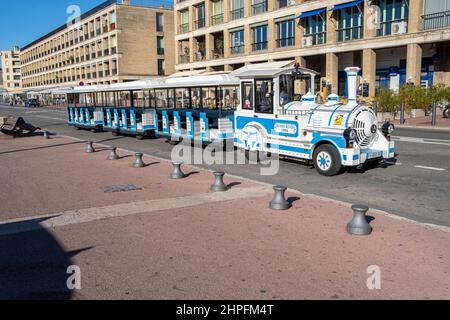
{"points": [[358, 226]]}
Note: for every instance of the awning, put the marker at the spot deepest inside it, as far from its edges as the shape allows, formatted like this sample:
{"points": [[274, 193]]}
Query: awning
{"points": [[346, 5], [312, 13]]}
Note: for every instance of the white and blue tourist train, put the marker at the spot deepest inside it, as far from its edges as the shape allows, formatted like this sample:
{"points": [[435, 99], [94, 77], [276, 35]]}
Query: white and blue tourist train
{"points": [[267, 108]]}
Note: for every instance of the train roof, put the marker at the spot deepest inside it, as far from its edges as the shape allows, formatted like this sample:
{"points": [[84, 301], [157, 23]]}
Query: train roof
{"points": [[269, 69], [211, 79]]}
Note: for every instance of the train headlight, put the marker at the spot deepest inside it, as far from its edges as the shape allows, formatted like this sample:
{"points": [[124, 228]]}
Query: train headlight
{"points": [[350, 134], [388, 128]]}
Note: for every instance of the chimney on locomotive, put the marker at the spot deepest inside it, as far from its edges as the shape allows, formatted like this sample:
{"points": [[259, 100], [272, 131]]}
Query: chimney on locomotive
{"points": [[352, 77]]}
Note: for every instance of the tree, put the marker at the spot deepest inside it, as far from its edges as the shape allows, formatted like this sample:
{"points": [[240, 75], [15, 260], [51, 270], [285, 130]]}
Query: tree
{"points": [[387, 101]]}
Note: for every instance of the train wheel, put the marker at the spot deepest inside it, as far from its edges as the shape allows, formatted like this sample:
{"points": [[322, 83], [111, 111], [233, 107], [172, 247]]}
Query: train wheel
{"points": [[327, 160]]}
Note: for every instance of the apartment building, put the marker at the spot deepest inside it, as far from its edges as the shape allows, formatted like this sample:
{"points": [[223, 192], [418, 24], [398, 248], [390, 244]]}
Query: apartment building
{"points": [[11, 71], [114, 42], [393, 41]]}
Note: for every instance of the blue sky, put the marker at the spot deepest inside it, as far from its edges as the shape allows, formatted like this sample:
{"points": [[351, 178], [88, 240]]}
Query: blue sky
{"points": [[31, 19]]}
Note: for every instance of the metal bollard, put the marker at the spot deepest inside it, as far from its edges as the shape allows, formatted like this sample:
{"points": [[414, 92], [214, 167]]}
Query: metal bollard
{"points": [[219, 185], [46, 135], [90, 147], [138, 162], [113, 154], [177, 173], [359, 225], [279, 201]]}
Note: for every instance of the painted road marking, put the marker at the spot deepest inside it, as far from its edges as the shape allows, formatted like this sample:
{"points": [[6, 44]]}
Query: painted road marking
{"points": [[60, 219], [430, 168], [423, 140]]}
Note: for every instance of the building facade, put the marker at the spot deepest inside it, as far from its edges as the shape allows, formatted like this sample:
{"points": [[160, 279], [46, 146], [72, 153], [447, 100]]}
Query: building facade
{"points": [[114, 42], [11, 70], [393, 41]]}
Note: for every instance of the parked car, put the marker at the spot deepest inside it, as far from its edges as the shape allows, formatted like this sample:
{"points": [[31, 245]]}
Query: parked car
{"points": [[32, 103]]}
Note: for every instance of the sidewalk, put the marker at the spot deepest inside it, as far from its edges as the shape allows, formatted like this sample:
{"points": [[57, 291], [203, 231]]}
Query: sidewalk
{"points": [[176, 240], [424, 123]]}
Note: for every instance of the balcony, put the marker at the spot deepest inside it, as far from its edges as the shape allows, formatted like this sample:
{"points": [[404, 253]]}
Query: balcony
{"points": [[217, 19], [106, 52], [198, 24], [184, 27], [114, 50], [112, 26], [285, 42], [239, 49], [160, 51], [107, 73], [259, 46], [99, 53], [438, 20], [237, 14], [217, 54], [349, 34], [258, 8], [317, 38], [184, 58], [93, 55], [386, 27], [114, 72]]}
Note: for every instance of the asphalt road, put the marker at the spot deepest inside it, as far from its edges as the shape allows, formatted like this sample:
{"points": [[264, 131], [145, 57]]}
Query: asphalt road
{"points": [[416, 187]]}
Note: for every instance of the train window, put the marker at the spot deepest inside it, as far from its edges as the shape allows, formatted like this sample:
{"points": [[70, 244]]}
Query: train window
{"points": [[89, 99], [161, 98], [124, 99], [264, 95], [139, 99], [183, 98], [288, 90], [100, 101], [196, 99], [247, 96], [111, 100], [171, 98], [229, 98], [209, 98]]}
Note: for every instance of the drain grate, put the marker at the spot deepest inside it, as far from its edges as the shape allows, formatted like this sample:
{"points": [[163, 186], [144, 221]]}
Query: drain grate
{"points": [[121, 188]]}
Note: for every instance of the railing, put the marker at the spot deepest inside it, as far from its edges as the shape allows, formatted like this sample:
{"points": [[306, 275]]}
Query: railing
{"points": [[198, 24], [386, 27], [184, 58], [285, 42], [237, 49], [259, 7], [348, 34], [282, 4], [438, 20], [258, 46], [237, 14], [184, 27], [217, 54], [317, 38], [217, 19]]}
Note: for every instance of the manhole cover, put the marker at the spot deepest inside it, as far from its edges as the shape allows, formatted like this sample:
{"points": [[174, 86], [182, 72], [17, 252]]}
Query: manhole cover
{"points": [[121, 188]]}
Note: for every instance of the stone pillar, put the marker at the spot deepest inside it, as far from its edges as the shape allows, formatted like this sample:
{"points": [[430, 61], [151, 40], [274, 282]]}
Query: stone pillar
{"points": [[271, 35], [209, 46], [192, 49], [414, 63], [332, 71], [369, 66], [415, 16], [331, 27], [248, 10], [226, 44], [248, 39], [299, 31], [208, 12], [370, 30], [226, 10], [191, 18]]}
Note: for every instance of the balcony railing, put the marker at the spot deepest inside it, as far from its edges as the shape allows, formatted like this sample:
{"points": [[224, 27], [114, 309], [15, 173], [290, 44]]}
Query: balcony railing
{"points": [[237, 14], [184, 27], [282, 4], [259, 7], [237, 49], [259, 46], [198, 24], [217, 19], [217, 54], [348, 34], [386, 27], [438, 20], [317, 38], [184, 58], [285, 42]]}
